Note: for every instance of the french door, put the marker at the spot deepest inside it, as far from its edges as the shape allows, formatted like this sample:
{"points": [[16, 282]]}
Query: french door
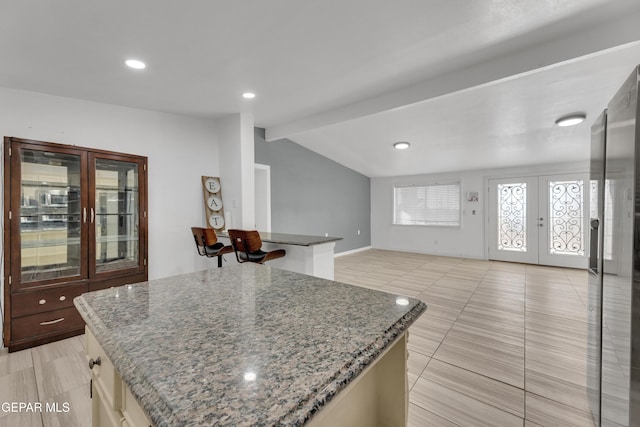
{"points": [[539, 220]]}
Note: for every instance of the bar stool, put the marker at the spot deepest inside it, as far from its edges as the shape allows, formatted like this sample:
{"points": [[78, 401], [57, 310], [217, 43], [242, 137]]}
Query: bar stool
{"points": [[247, 245], [207, 244]]}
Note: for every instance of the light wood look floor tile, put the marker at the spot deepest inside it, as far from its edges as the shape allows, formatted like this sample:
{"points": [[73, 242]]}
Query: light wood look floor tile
{"points": [[16, 419], [13, 362], [20, 386], [494, 355], [504, 322], [547, 412], [479, 387], [437, 311], [426, 345], [416, 364], [424, 276], [557, 375], [426, 334], [554, 340], [419, 417], [80, 408], [555, 325], [499, 302], [459, 408], [61, 369]]}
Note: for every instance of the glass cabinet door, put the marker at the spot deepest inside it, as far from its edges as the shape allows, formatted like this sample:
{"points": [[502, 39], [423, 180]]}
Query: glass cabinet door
{"points": [[116, 214], [50, 215]]}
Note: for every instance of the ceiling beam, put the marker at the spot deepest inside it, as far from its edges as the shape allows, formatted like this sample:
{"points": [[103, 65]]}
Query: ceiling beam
{"points": [[589, 34]]}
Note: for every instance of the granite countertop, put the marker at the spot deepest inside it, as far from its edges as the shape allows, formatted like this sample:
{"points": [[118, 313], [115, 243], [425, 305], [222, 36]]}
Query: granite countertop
{"points": [[242, 345], [289, 239]]}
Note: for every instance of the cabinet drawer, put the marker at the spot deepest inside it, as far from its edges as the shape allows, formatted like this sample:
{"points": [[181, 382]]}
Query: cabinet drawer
{"points": [[27, 303], [66, 319]]}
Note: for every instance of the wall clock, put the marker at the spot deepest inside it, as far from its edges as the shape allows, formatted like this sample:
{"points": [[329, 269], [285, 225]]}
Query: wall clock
{"points": [[213, 204]]}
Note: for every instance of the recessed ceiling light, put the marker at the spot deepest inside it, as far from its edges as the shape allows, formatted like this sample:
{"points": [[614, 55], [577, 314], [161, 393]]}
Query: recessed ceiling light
{"points": [[248, 95], [571, 119], [134, 63], [401, 145]]}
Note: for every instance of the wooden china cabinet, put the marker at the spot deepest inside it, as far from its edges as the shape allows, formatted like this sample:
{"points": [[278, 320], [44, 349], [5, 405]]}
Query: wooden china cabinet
{"points": [[75, 220]]}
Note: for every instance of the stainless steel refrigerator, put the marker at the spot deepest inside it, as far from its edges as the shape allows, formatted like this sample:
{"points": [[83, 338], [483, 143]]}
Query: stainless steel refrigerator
{"points": [[613, 361]]}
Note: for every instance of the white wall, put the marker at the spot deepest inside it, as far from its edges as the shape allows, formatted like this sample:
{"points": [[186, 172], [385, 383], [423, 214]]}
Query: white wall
{"points": [[235, 133], [180, 151], [469, 240], [466, 241]]}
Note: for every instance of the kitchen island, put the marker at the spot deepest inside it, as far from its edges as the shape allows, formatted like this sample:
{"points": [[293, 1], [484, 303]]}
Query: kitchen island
{"points": [[311, 255], [247, 345]]}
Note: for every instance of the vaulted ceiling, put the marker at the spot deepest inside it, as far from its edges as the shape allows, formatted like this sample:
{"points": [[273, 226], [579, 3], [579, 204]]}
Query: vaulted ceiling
{"points": [[470, 84]]}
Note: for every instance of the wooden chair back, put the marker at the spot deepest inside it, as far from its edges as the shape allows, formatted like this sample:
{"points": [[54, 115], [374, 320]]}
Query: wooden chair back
{"points": [[245, 240], [204, 237]]}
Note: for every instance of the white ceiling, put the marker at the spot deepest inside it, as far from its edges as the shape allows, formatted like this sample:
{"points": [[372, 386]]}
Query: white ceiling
{"points": [[471, 84]]}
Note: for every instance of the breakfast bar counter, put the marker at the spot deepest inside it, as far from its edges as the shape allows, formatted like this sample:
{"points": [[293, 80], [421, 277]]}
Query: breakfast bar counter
{"points": [[306, 254], [247, 345]]}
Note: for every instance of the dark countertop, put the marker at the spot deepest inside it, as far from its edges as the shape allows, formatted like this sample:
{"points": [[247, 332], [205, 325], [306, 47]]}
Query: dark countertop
{"points": [[289, 239], [242, 345]]}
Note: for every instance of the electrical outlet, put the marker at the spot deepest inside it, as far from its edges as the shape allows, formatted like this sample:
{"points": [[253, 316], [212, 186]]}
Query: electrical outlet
{"points": [[358, 232], [326, 234]]}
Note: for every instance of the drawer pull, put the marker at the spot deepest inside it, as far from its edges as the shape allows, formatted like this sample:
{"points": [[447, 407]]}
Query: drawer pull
{"points": [[42, 301], [51, 322], [62, 298], [93, 363]]}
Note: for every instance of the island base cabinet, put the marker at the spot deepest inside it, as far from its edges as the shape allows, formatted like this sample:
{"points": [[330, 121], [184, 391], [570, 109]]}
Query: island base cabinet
{"points": [[112, 403], [101, 415], [378, 397]]}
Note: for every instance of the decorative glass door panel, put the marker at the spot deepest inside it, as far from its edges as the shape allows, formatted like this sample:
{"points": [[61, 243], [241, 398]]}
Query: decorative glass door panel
{"points": [[566, 219], [564, 208], [117, 215], [512, 217], [50, 215]]}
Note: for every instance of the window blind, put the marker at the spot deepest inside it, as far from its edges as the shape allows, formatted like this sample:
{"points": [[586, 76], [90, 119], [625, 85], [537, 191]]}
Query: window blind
{"points": [[437, 204]]}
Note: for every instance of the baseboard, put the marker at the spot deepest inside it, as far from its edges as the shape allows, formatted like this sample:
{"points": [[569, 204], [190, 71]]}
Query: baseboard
{"points": [[352, 251]]}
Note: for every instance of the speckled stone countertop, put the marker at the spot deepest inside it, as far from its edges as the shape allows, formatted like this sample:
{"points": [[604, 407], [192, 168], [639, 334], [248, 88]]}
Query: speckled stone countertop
{"points": [[289, 239], [242, 345]]}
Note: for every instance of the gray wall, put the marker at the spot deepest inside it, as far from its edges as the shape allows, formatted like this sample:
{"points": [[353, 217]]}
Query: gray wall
{"points": [[313, 195]]}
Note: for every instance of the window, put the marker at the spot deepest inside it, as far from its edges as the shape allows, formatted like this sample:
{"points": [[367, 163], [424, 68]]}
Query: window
{"points": [[437, 204]]}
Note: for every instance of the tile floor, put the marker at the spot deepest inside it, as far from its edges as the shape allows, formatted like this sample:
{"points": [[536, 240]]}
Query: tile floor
{"points": [[500, 344]]}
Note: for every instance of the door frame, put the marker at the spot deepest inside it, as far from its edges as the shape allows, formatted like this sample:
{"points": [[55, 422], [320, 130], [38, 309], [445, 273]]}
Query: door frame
{"points": [[527, 171]]}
